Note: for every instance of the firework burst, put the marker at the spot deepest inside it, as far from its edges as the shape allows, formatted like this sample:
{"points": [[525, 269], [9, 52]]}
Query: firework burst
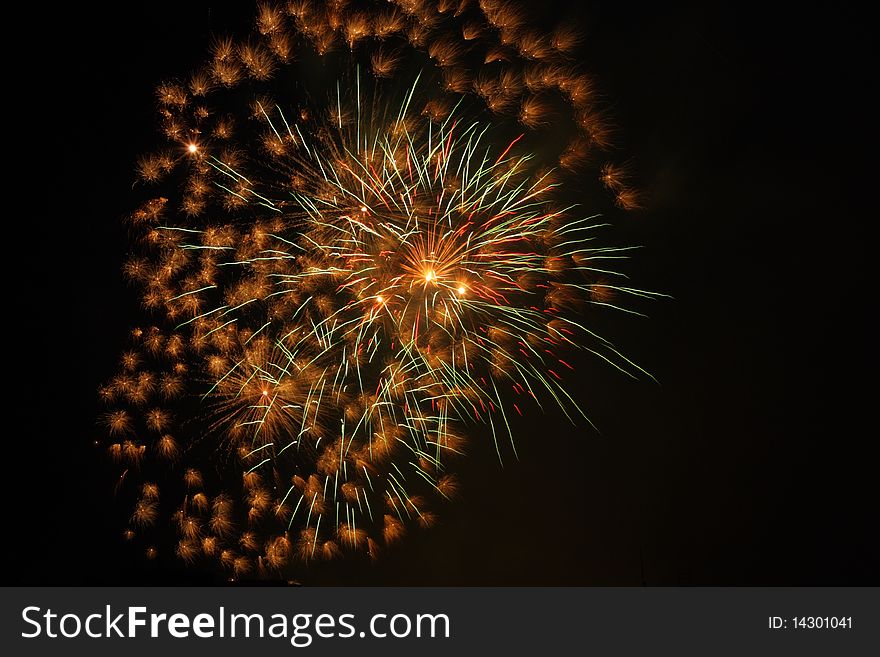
{"points": [[363, 239]]}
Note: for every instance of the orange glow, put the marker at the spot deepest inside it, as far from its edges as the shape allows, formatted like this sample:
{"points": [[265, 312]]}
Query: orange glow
{"points": [[192, 148]]}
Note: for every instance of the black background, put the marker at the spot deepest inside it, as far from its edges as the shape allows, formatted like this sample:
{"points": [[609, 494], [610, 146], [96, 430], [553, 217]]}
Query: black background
{"points": [[751, 463]]}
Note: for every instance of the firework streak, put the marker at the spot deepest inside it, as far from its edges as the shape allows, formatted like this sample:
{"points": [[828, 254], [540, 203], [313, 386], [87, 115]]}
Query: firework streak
{"points": [[361, 240]]}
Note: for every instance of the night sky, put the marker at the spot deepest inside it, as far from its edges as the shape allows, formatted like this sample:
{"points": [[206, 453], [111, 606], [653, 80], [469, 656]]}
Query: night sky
{"points": [[752, 462]]}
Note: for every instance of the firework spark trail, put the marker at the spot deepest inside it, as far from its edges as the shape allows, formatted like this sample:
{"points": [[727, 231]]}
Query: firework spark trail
{"points": [[346, 285]]}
